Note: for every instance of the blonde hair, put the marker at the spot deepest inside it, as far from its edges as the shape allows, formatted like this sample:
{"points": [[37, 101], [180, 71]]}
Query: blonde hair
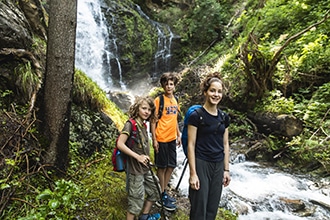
{"points": [[134, 108]]}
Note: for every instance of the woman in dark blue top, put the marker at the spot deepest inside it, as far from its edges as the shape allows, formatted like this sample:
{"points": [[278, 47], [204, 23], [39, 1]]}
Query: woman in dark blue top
{"points": [[208, 152]]}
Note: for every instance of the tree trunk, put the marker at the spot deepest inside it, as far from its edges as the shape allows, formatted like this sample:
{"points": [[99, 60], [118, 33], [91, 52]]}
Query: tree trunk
{"points": [[57, 91], [277, 124]]}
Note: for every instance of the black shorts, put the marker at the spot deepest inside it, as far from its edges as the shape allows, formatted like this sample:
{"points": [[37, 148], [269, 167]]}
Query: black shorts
{"points": [[166, 156]]}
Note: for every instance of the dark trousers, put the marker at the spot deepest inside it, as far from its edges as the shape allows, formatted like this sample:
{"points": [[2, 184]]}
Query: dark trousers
{"points": [[205, 201]]}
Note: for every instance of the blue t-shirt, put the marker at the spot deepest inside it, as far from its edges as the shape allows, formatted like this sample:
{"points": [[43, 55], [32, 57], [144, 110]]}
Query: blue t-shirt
{"points": [[210, 131]]}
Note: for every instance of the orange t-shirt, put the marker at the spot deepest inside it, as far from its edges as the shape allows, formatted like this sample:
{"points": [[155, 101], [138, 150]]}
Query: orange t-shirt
{"points": [[167, 125]]}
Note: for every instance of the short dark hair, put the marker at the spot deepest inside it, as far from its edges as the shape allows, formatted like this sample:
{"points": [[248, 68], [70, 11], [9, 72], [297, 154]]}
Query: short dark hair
{"points": [[168, 76]]}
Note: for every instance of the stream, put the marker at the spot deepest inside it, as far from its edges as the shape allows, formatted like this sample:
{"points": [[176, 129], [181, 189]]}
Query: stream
{"points": [[258, 192]]}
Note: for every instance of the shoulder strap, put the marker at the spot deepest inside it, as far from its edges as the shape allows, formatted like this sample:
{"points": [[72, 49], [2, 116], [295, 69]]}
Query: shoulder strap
{"points": [[177, 99], [200, 114], [220, 112], [161, 106], [133, 135]]}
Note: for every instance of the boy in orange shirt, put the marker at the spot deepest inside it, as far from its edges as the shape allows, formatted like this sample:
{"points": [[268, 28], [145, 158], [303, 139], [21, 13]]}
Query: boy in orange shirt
{"points": [[166, 136]]}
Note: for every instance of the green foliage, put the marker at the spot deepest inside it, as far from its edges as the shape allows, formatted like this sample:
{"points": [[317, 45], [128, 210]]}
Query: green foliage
{"points": [[60, 203], [90, 132], [312, 145], [315, 54], [276, 103], [144, 35], [206, 20], [317, 111], [240, 128], [88, 93], [5, 98], [107, 197], [26, 80]]}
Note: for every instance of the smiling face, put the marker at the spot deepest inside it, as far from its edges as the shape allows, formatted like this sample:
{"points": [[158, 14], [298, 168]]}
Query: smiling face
{"points": [[214, 93]]}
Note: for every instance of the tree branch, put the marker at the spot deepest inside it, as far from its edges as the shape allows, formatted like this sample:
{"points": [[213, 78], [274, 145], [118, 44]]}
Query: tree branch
{"points": [[277, 55]]}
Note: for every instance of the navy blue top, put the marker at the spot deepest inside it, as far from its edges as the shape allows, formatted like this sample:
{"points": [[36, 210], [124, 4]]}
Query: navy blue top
{"points": [[210, 131]]}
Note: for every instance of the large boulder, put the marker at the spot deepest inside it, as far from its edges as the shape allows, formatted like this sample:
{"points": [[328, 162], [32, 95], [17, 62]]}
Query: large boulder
{"points": [[15, 30]]}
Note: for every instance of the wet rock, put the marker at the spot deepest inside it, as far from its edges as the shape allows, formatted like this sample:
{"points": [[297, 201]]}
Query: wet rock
{"points": [[294, 204], [15, 29], [122, 99]]}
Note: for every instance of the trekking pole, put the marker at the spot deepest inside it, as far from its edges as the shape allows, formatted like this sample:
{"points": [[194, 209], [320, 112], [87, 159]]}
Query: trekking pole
{"points": [[158, 188], [183, 171]]}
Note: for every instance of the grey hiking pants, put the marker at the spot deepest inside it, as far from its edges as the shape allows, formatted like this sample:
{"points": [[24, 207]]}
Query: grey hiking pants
{"points": [[205, 201]]}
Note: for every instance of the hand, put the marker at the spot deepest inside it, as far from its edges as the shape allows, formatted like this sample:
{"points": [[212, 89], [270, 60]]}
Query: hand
{"points": [[178, 141], [194, 182], [155, 145], [144, 159], [226, 178]]}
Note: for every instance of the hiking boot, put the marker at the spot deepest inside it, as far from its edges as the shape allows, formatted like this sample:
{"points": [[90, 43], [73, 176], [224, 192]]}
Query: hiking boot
{"points": [[169, 206], [155, 216], [169, 198]]}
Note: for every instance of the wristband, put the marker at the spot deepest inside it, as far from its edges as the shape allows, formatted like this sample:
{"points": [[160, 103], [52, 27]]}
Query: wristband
{"points": [[226, 170]]}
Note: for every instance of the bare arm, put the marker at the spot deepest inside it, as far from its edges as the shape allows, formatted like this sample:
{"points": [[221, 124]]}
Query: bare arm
{"points": [[126, 150], [226, 176], [193, 179], [153, 133], [178, 143]]}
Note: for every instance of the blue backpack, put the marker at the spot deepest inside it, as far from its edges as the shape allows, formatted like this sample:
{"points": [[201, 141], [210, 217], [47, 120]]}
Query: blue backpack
{"points": [[198, 109]]}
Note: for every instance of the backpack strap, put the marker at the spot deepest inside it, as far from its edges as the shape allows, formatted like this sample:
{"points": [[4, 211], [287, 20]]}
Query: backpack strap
{"points": [[223, 116], [225, 119], [133, 135], [200, 114], [161, 106]]}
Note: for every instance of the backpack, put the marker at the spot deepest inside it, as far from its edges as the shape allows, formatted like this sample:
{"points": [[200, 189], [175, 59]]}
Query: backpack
{"points": [[161, 107], [198, 109], [119, 158]]}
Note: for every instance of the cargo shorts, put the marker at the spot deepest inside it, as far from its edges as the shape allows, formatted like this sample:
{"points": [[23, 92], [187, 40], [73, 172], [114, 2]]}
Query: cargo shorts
{"points": [[141, 187]]}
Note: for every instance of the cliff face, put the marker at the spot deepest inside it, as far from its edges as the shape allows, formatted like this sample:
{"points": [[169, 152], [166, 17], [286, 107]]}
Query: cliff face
{"points": [[15, 31], [22, 31]]}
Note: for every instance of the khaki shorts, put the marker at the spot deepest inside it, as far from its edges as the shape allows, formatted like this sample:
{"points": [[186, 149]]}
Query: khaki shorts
{"points": [[140, 187]]}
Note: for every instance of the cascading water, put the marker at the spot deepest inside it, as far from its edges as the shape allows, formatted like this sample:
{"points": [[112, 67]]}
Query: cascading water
{"points": [[91, 39], [258, 192], [162, 56], [97, 50]]}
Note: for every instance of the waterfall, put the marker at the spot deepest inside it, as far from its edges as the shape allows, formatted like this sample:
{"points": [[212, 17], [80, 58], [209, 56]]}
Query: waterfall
{"points": [[97, 49], [91, 39], [259, 192], [162, 56]]}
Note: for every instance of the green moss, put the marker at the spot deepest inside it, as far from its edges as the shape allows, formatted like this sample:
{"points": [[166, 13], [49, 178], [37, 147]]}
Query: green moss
{"points": [[88, 93]]}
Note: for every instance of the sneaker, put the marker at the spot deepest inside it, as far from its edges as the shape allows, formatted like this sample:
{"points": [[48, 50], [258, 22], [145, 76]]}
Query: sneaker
{"points": [[169, 198], [155, 216], [169, 206]]}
